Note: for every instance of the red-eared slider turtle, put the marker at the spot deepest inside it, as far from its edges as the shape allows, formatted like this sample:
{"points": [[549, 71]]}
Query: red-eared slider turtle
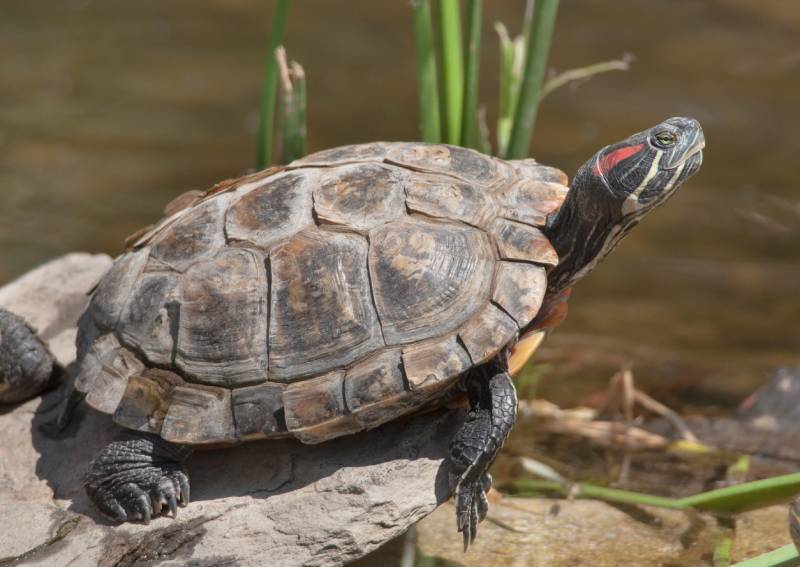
{"points": [[352, 287]]}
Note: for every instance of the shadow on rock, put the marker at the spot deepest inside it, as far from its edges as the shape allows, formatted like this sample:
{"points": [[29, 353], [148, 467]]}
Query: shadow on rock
{"points": [[259, 469]]}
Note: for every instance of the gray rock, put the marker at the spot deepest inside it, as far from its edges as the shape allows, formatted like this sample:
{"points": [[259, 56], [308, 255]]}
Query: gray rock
{"points": [[276, 503]]}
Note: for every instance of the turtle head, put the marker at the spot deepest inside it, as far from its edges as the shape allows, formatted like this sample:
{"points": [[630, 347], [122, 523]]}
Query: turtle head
{"points": [[614, 189], [643, 170]]}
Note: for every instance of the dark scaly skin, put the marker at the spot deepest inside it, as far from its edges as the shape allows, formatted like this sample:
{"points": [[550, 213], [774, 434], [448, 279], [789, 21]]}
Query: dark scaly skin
{"points": [[493, 410], [26, 365], [138, 478]]}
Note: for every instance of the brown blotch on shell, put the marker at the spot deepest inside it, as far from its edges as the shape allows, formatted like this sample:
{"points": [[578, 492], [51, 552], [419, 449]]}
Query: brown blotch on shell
{"points": [[183, 201]]}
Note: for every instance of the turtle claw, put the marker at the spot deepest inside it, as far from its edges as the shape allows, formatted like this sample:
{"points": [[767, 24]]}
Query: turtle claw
{"points": [[131, 480], [471, 507]]}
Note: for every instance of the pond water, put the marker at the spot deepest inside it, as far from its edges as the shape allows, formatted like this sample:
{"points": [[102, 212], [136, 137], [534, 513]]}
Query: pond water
{"points": [[109, 109]]}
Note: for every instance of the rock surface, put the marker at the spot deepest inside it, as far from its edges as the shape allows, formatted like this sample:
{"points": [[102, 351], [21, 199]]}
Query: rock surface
{"points": [[277, 503]]}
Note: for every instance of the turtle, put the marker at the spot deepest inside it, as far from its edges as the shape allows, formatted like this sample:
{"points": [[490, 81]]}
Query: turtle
{"points": [[349, 288]]}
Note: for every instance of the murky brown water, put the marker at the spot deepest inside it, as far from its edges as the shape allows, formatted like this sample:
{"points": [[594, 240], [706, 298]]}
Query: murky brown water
{"points": [[109, 109]]}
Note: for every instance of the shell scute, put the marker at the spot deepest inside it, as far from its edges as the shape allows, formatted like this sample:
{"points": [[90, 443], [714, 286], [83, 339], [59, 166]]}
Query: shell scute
{"points": [[321, 315], [196, 233], [149, 321], [466, 164], [146, 400], [432, 366], [375, 390], [110, 382], [315, 409], [519, 289], [444, 197], [258, 411], [113, 291], [375, 151], [487, 332], [198, 415], [222, 327], [427, 278], [270, 210], [360, 196], [517, 241]]}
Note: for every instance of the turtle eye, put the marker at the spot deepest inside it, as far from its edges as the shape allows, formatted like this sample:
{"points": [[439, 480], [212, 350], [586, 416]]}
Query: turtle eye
{"points": [[665, 139]]}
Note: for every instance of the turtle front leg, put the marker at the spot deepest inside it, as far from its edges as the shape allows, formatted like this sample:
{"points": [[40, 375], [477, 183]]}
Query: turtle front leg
{"points": [[138, 478], [493, 410]]}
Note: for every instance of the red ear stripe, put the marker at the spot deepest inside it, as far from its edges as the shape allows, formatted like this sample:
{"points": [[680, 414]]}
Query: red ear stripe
{"points": [[608, 161]]}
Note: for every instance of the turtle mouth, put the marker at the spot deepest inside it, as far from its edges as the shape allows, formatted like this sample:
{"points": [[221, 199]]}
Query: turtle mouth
{"points": [[695, 150]]}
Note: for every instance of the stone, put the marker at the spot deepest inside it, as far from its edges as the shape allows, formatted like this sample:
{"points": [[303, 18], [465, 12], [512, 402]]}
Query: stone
{"points": [[318, 505], [296, 504]]}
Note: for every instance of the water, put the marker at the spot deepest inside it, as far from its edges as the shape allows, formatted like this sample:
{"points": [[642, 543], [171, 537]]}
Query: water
{"points": [[109, 109]]}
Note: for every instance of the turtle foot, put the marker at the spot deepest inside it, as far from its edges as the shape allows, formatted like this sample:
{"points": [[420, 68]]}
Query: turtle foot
{"points": [[26, 365], [493, 409], [471, 506], [140, 478]]}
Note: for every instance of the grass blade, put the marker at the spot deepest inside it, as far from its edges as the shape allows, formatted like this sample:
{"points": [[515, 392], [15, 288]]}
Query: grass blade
{"points": [[452, 70], [785, 556], [722, 550], [292, 118], [472, 58], [484, 144], [536, 54], [746, 496], [583, 73], [511, 54], [426, 73], [269, 86], [731, 499]]}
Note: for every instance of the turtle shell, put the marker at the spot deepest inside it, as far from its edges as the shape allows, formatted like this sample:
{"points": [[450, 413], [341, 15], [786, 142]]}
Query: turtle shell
{"points": [[330, 296]]}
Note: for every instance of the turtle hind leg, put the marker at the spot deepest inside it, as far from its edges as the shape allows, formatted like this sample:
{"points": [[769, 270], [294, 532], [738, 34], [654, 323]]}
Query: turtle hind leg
{"points": [[493, 410], [138, 478], [26, 365]]}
